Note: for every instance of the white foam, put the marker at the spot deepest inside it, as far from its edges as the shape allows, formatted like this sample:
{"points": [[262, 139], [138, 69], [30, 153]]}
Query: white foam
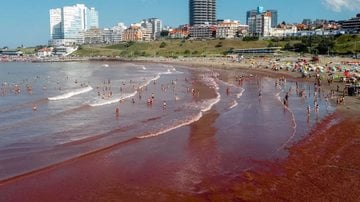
{"points": [[187, 122], [234, 86], [228, 84], [149, 81], [240, 94], [71, 94], [294, 126], [214, 101], [233, 104], [112, 101], [155, 78], [204, 107]]}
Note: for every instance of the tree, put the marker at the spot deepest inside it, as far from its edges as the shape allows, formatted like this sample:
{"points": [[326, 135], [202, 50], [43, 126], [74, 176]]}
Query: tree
{"points": [[219, 45], [37, 48], [251, 38], [288, 47], [300, 47], [162, 45], [164, 33], [325, 45]]}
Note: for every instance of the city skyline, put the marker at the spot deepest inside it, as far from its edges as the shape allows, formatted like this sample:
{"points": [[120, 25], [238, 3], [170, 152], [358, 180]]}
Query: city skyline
{"points": [[31, 26]]}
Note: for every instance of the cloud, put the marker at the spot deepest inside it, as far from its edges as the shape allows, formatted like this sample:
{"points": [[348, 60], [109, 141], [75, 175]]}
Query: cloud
{"points": [[339, 5]]}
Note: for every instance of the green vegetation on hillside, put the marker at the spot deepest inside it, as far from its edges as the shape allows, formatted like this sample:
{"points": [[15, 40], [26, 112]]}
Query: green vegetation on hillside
{"points": [[27, 51], [347, 44], [170, 48], [339, 44]]}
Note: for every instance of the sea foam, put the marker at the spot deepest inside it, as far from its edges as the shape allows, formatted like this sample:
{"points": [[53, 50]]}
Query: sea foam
{"points": [[112, 101], [71, 94], [203, 107]]}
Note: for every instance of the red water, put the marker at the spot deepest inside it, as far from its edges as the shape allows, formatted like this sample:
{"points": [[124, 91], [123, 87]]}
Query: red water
{"points": [[187, 164]]}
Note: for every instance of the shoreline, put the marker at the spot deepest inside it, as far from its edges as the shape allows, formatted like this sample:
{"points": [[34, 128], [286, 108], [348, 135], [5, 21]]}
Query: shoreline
{"points": [[299, 171], [317, 164]]}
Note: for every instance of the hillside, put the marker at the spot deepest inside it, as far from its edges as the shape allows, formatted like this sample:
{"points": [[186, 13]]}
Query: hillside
{"points": [[170, 48], [347, 44]]}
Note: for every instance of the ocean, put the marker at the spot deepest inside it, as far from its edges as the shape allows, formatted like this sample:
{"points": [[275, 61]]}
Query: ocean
{"points": [[52, 113]]}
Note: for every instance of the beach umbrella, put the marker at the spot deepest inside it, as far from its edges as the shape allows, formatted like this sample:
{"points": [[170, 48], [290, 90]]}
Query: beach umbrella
{"points": [[347, 74]]}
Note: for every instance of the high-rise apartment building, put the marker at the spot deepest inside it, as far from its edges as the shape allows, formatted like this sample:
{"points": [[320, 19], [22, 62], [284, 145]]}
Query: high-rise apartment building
{"points": [[274, 18], [352, 25], [56, 24], [157, 26], [69, 22], [253, 13], [202, 12], [260, 24], [153, 26], [307, 22], [250, 13]]}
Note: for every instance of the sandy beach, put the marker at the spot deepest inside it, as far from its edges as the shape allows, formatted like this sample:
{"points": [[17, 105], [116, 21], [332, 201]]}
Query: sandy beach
{"points": [[205, 161], [322, 167]]}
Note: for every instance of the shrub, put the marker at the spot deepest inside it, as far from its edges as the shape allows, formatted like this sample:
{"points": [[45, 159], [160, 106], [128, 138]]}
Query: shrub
{"points": [[219, 45], [162, 45], [251, 38]]}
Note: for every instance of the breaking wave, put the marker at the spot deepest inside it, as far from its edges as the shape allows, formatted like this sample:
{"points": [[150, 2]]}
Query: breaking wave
{"points": [[112, 101], [71, 94], [203, 107]]}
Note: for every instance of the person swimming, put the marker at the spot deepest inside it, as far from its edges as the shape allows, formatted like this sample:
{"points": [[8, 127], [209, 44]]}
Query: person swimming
{"points": [[149, 101]]}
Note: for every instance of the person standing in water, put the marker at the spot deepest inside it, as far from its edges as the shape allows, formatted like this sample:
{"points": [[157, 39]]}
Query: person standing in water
{"points": [[286, 99], [117, 112]]}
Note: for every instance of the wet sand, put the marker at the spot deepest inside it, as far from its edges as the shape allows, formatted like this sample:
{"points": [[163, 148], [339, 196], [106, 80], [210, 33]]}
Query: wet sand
{"points": [[323, 166]]}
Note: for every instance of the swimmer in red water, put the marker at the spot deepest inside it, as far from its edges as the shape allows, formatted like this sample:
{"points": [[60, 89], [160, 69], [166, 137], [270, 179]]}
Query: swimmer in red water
{"points": [[149, 101], [117, 112]]}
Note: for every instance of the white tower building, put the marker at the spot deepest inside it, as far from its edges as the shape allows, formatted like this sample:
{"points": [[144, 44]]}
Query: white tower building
{"points": [[68, 23]]}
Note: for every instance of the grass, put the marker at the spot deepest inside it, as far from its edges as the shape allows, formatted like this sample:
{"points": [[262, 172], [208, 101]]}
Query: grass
{"points": [[344, 44], [28, 51], [347, 44], [170, 48]]}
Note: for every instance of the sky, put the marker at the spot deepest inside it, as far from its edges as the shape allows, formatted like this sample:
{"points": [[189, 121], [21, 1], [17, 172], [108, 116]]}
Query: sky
{"points": [[26, 22]]}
